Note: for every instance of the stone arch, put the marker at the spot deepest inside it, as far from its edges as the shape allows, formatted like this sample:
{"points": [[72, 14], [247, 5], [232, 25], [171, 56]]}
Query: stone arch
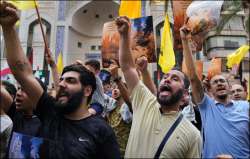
{"points": [[158, 28], [44, 16], [47, 31], [31, 30], [158, 20], [89, 18], [84, 26]]}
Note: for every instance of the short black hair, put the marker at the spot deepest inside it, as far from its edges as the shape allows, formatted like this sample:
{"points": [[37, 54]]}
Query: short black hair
{"points": [[87, 78], [41, 84], [94, 63], [106, 82], [186, 79], [10, 88]]}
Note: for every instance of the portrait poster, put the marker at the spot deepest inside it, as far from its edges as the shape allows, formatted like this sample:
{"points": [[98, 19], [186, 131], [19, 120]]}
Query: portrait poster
{"points": [[179, 13], [142, 40], [25, 146], [203, 16]]}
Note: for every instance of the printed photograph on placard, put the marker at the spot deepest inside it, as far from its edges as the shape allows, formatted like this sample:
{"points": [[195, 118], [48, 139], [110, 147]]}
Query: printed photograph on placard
{"points": [[25, 146], [142, 38]]}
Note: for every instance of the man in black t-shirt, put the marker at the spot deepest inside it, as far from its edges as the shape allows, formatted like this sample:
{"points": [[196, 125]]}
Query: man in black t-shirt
{"points": [[71, 130], [22, 114], [21, 110]]}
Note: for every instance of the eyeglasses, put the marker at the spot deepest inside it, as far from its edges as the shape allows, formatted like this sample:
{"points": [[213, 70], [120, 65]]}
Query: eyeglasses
{"points": [[218, 80]]}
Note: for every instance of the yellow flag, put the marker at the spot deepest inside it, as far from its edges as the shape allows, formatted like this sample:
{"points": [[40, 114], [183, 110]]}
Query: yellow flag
{"points": [[167, 56], [24, 5], [130, 8], [237, 56], [59, 63]]}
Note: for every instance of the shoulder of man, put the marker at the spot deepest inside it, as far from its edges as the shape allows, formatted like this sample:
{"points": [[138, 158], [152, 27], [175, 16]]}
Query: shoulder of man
{"points": [[45, 105], [46, 98], [101, 128], [241, 105]]}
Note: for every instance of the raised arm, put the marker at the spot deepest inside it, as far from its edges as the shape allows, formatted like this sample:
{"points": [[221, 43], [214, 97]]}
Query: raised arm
{"points": [[16, 58], [121, 86], [54, 69], [197, 89], [125, 57], [142, 64], [5, 99]]}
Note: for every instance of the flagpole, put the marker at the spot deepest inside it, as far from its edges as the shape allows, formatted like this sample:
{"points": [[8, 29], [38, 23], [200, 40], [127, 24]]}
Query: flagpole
{"points": [[40, 22]]}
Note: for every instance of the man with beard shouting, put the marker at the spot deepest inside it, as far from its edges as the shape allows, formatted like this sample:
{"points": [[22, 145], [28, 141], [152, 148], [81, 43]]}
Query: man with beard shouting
{"points": [[72, 132], [153, 116], [225, 122]]}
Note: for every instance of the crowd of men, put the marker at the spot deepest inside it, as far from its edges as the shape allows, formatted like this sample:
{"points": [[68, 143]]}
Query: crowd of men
{"points": [[88, 116]]}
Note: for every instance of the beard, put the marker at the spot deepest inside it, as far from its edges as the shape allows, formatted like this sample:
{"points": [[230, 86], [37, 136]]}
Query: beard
{"points": [[171, 100], [71, 105]]}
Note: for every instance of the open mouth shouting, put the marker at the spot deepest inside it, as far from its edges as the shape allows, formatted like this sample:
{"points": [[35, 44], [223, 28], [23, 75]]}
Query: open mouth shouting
{"points": [[220, 89], [18, 102], [165, 90], [63, 95], [115, 93]]}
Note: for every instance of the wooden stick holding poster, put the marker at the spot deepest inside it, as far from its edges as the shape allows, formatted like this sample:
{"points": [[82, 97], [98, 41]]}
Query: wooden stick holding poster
{"points": [[40, 23]]}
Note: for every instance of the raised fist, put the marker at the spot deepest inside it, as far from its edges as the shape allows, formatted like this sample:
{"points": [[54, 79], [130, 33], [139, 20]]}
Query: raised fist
{"points": [[123, 25], [8, 14], [185, 33]]}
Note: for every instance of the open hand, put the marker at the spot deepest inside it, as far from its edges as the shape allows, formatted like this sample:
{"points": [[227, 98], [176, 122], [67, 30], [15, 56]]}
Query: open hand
{"points": [[8, 14]]}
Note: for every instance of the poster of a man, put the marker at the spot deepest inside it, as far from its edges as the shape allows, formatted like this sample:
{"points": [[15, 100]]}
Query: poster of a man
{"points": [[142, 40]]}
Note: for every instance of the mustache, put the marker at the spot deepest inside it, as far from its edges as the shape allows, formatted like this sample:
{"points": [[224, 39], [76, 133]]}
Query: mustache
{"points": [[18, 100], [165, 88], [62, 93]]}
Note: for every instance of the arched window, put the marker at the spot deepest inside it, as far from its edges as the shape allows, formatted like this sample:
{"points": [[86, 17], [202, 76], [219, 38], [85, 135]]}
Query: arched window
{"points": [[35, 38]]}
